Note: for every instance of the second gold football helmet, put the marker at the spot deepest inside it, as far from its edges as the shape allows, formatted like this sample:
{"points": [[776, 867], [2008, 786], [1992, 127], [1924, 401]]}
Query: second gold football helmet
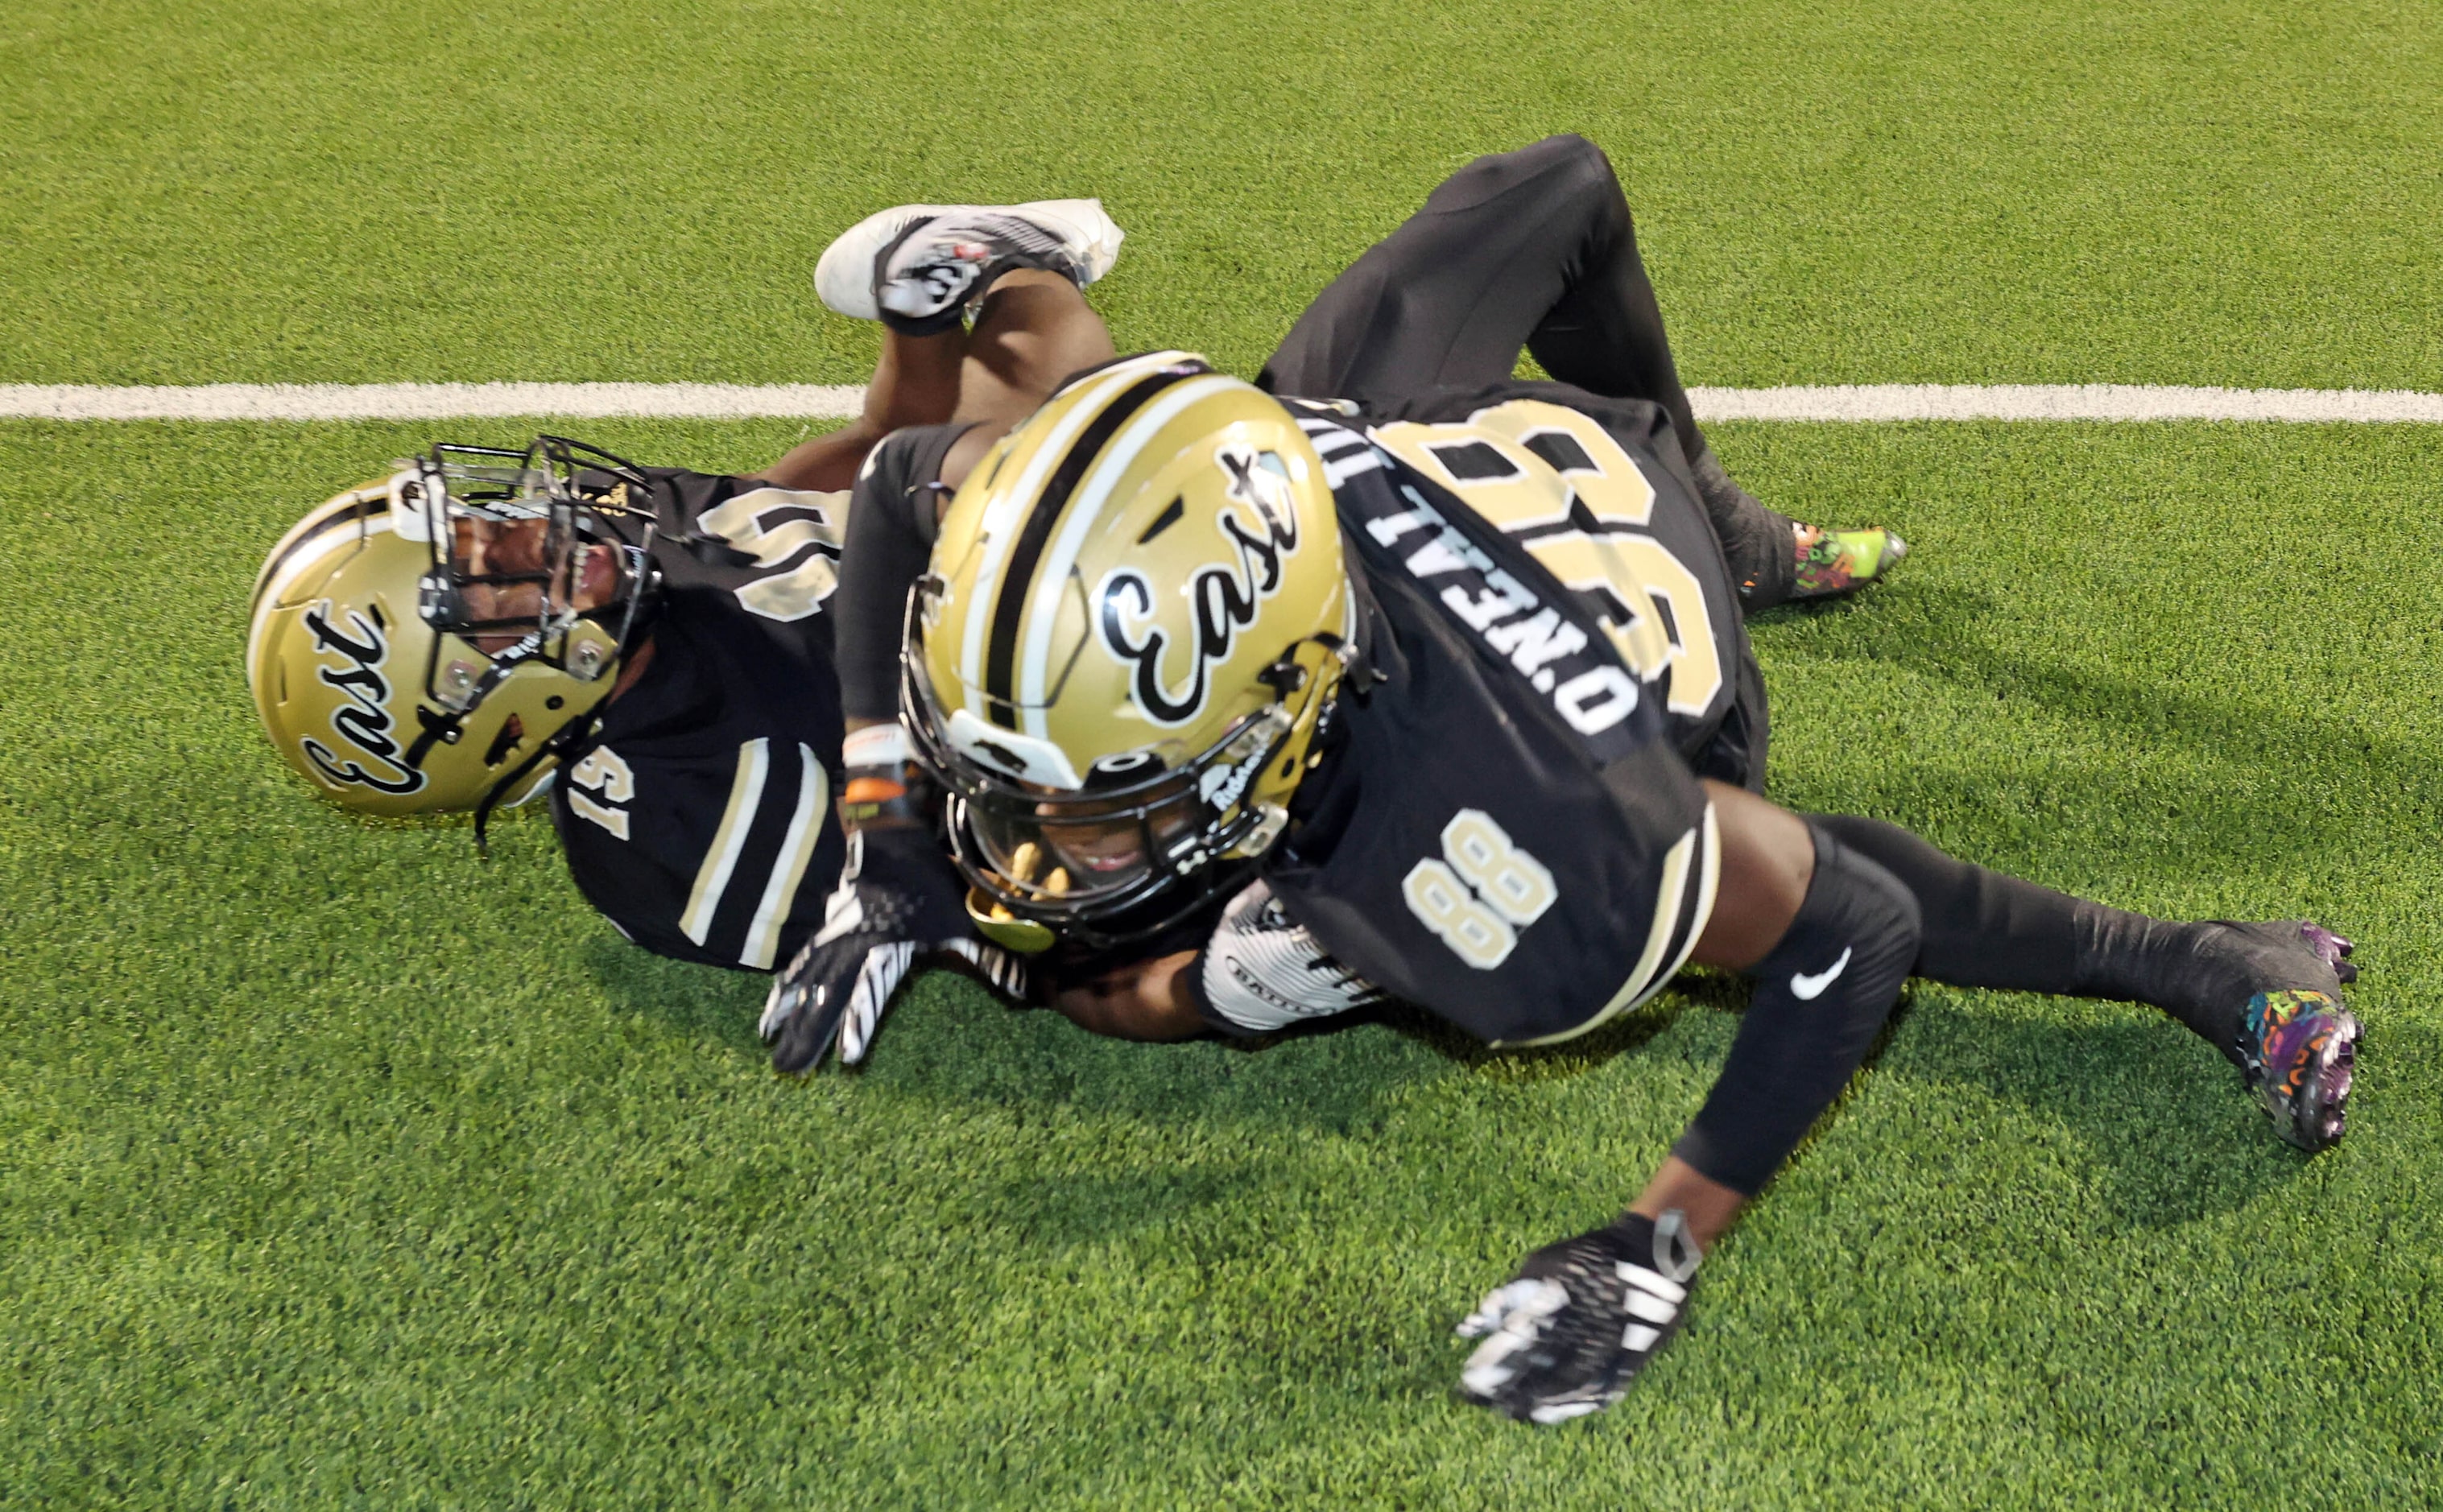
{"points": [[1131, 627], [384, 660]]}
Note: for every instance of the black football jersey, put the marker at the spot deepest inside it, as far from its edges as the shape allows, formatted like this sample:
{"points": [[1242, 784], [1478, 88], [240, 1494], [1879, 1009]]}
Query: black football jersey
{"points": [[1509, 831], [699, 815]]}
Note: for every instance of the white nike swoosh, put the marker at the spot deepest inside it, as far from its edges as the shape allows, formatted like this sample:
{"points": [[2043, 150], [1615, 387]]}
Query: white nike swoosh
{"points": [[1810, 988]]}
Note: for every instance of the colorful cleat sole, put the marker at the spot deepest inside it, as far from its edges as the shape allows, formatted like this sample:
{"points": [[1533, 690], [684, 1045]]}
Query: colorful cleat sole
{"points": [[2299, 1052], [1842, 562]]}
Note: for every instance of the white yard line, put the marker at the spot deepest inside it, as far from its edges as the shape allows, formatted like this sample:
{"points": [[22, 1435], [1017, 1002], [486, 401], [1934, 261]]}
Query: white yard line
{"points": [[2064, 401], [430, 401], [808, 401]]}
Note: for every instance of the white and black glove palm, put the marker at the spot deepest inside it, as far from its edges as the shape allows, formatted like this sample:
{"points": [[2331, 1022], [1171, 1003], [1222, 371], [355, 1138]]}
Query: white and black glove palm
{"points": [[1581, 1319], [898, 899]]}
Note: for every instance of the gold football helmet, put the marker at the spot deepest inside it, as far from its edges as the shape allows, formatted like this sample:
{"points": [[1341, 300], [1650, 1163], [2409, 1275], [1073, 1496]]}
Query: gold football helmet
{"points": [[1131, 627], [400, 673]]}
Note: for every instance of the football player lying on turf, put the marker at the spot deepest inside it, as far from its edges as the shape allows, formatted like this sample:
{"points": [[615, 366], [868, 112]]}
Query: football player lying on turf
{"points": [[1436, 693], [1450, 298], [447, 638]]}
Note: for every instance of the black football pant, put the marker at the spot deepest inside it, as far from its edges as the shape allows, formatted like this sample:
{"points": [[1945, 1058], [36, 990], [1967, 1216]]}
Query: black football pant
{"points": [[1983, 928], [1528, 250]]}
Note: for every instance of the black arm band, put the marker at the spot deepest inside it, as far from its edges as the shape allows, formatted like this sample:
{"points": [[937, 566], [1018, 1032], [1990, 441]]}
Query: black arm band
{"points": [[892, 521]]}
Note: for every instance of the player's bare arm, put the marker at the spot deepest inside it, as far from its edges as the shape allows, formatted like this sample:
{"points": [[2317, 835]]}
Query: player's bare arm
{"points": [[916, 382]]}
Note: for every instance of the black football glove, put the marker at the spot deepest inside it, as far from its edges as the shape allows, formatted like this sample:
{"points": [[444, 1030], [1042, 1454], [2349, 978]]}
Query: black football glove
{"points": [[1584, 1316], [898, 898]]}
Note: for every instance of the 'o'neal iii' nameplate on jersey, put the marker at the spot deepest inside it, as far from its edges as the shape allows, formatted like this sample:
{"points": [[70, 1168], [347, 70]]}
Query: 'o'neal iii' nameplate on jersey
{"points": [[1511, 835], [698, 818]]}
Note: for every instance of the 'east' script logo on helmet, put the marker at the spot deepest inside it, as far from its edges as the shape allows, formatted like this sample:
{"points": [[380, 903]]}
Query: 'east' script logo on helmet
{"points": [[364, 722], [1225, 594]]}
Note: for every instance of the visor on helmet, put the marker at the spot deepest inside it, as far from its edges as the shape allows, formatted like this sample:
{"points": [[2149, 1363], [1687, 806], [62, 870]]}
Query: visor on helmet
{"points": [[1097, 861], [519, 540]]}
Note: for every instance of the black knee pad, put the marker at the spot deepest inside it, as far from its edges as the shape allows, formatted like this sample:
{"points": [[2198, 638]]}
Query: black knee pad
{"points": [[1821, 997], [1569, 171], [1578, 152]]}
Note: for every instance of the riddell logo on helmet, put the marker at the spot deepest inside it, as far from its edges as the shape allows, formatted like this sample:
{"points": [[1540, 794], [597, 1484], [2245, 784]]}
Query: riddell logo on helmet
{"points": [[364, 722], [1225, 594], [1222, 786]]}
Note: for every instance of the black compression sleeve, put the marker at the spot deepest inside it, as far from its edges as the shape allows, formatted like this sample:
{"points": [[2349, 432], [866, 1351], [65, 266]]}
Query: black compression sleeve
{"points": [[1982, 928], [1820, 997], [892, 521]]}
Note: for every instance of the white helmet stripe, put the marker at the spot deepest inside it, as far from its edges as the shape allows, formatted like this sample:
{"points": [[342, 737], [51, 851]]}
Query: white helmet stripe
{"points": [[1000, 525], [1084, 514], [313, 558]]}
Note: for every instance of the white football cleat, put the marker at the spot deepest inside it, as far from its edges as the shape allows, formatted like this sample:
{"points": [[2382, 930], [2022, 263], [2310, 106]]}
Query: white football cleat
{"points": [[916, 265]]}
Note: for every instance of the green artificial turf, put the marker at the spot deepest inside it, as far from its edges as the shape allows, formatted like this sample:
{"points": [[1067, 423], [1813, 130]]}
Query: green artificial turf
{"points": [[1919, 191], [339, 1166]]}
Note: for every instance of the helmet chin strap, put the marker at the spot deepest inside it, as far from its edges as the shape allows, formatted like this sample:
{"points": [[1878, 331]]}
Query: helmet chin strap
{"points": [[558, 743], [447, 727]]}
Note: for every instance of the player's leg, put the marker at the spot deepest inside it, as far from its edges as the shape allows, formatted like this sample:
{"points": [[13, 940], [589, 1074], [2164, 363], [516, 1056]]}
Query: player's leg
{"points": [[1830, 916], [916, 382], [1535, 250], [1033, 330], [2266, 996], [1605, 334], [1450, 298]]}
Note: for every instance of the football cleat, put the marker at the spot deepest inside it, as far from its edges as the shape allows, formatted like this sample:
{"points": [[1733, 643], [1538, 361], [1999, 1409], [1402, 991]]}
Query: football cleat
{"points": [[2299, 1050], [2297, 1046], [1842, 562], [1568, 1335], [916, 267]]}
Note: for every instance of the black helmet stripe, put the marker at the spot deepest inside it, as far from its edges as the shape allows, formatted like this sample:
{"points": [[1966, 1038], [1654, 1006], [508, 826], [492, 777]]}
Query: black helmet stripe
{"points": [[351, 513], [1017, 577]]}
